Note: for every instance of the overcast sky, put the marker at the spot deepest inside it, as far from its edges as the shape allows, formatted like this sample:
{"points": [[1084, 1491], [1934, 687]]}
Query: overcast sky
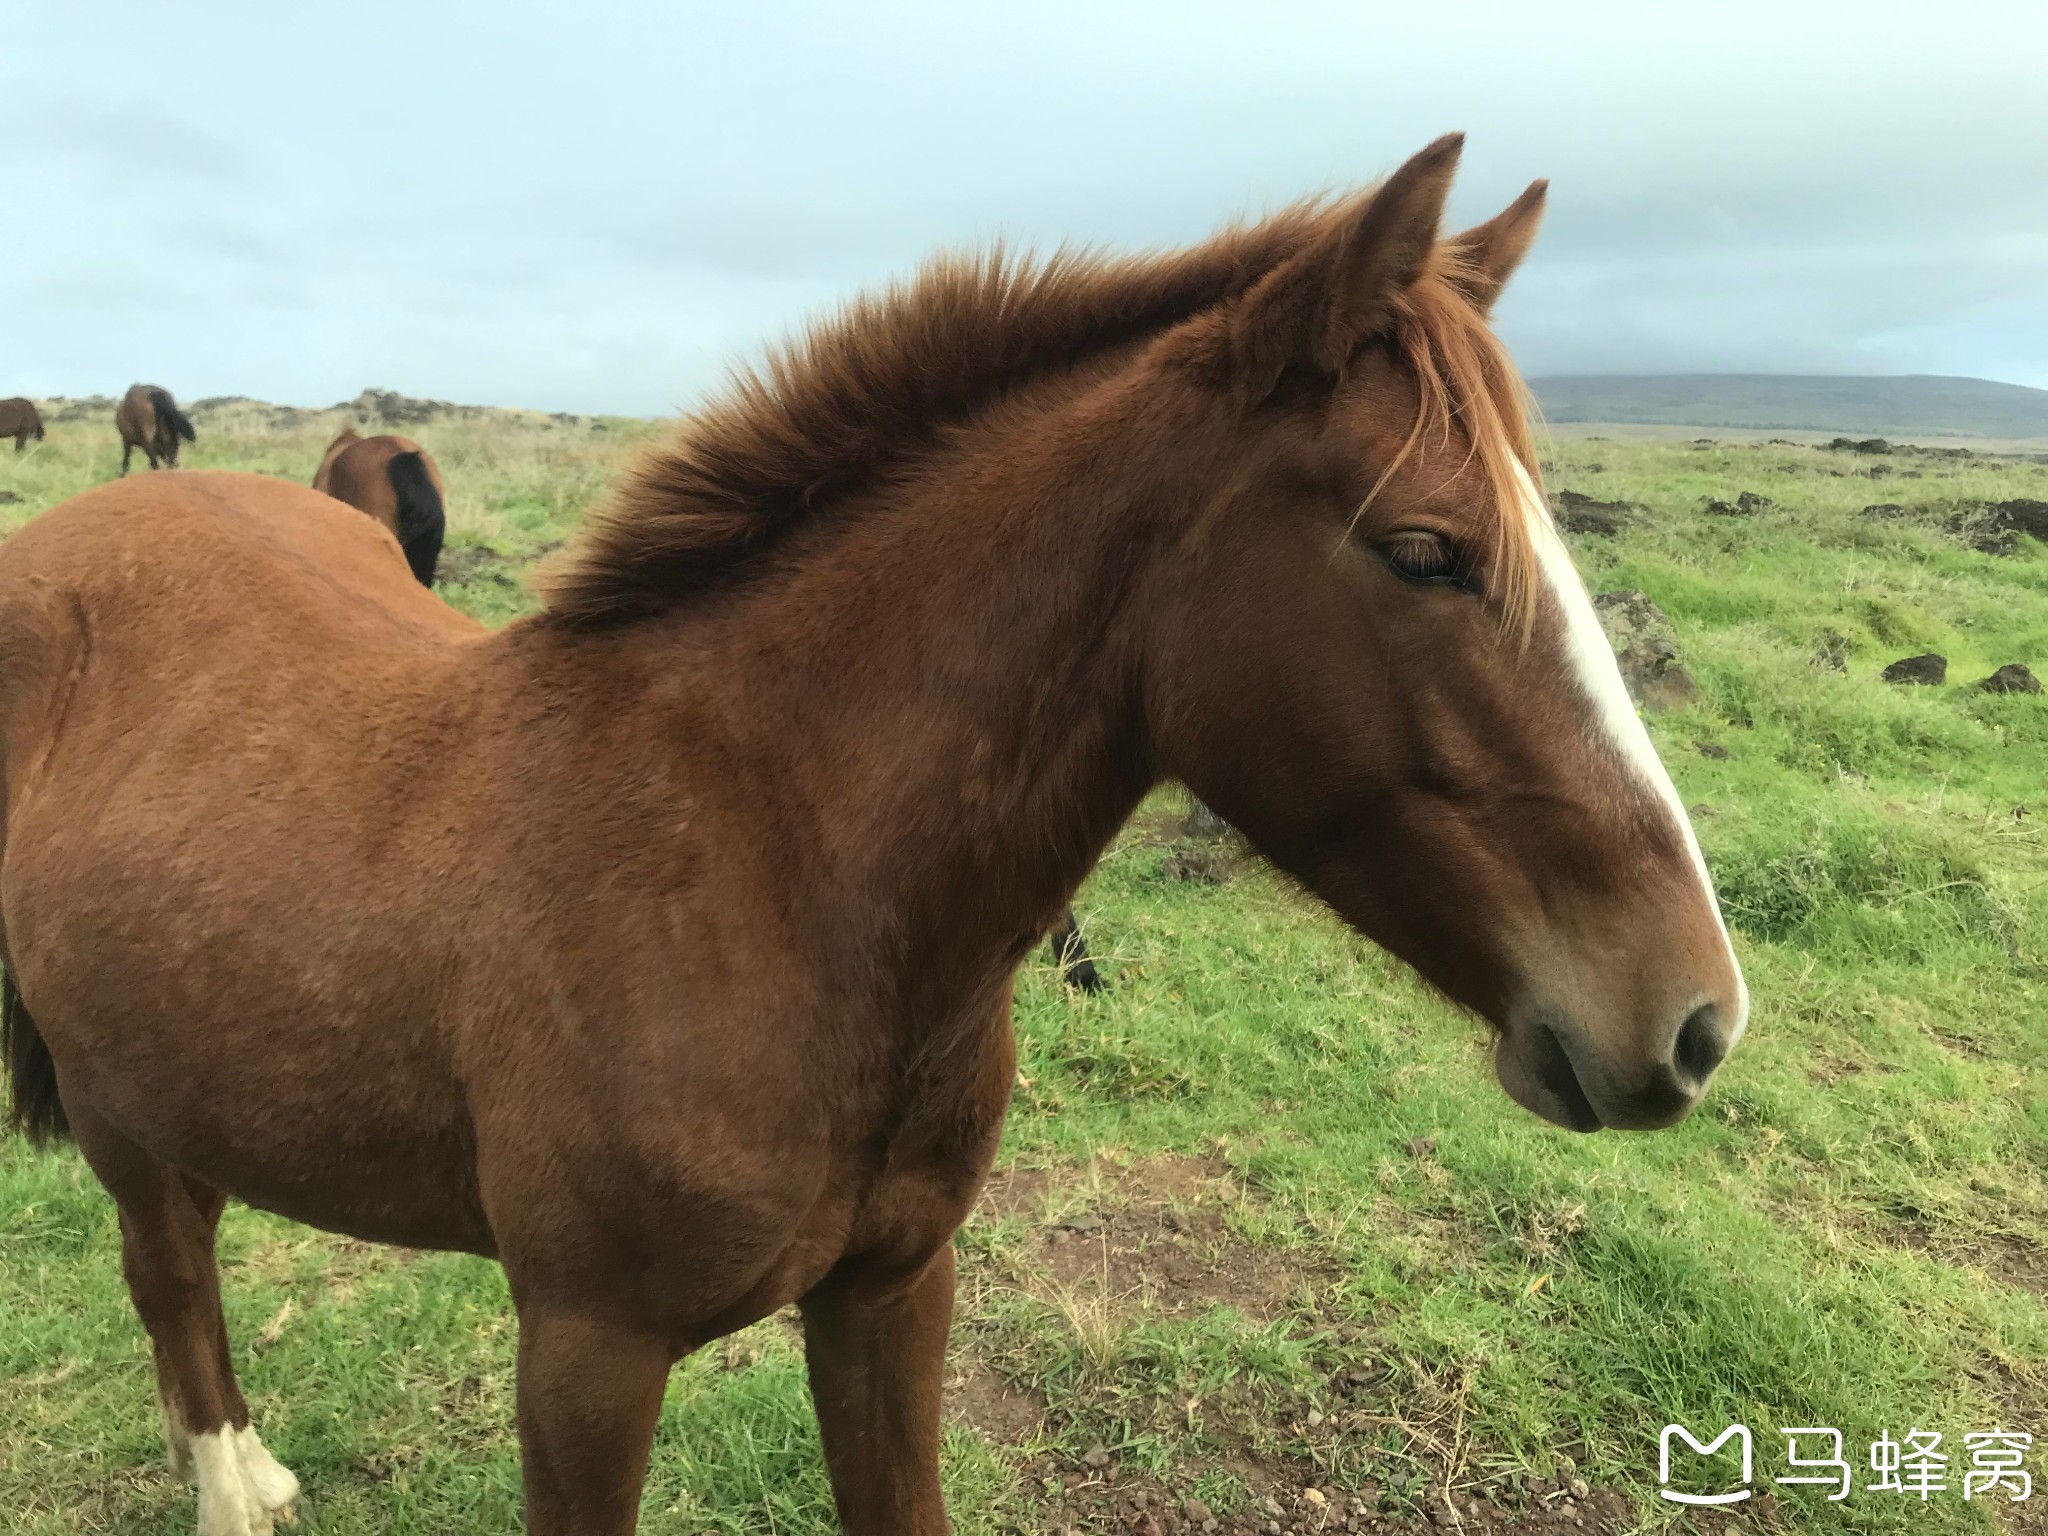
{"points": [[597, 206]]}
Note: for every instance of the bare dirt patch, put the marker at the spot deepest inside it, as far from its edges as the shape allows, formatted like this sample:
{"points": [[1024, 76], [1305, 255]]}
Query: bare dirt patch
{"points": [[2015, 1261], [2006, 1257], [1006, 1413], [1165, 1236], [1091, 1500], [1155, 1236], [484, 565]]}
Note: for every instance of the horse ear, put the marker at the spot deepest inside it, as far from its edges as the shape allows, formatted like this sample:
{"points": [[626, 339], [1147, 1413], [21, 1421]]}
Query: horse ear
{"points": [[1489, 253], [1315, 308]]}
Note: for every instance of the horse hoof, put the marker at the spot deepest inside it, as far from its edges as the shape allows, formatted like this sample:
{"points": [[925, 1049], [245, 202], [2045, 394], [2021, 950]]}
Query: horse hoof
{"points": [[230, 1503], [1085, 978], [274, 1483]]}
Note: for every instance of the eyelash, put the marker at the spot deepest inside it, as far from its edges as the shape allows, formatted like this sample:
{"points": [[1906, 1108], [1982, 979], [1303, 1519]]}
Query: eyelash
{"points": [[1447, 566]]}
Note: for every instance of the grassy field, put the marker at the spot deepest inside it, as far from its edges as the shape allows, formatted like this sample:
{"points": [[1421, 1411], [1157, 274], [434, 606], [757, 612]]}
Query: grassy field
{"points": [[1264, 1228]]}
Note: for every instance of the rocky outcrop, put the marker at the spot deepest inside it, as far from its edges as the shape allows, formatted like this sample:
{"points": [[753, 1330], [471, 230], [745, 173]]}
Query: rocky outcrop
{"points": [[1577, 512], [2011, 678], [1929, 670], [1746, 504], [2022, 515], [1643, 644]]}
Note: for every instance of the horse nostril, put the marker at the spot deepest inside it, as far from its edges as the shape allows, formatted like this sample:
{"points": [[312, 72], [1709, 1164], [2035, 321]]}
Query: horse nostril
{"points": [[1701, 1045], [1552, 1069]]}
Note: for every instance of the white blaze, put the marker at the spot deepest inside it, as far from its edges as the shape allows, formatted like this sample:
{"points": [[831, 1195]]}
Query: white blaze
{"points": [[1592, 660]]}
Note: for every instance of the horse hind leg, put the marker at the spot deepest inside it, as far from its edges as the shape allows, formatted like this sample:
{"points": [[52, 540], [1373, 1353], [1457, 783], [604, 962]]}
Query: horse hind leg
{"points": [[1070, 953], [275, 1485], [167, 1249], [167, 1241]]}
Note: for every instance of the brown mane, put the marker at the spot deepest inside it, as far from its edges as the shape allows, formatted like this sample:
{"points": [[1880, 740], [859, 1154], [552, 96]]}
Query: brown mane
{"points": [[870, 388]]}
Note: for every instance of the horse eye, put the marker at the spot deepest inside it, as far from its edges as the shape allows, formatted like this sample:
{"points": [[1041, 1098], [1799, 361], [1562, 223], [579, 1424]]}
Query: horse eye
{"points": [[1422, 556]]}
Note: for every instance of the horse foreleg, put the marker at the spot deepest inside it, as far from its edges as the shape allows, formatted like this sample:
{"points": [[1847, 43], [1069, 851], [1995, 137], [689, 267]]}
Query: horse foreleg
{"points": [[167, 1240], [589, 1396], [877, 1358]]}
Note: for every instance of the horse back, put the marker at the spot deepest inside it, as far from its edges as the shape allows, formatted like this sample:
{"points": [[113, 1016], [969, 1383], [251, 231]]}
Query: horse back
{"points": [[362, 474], [227, 719], [135, 417], [193, 548], [201, 583]]}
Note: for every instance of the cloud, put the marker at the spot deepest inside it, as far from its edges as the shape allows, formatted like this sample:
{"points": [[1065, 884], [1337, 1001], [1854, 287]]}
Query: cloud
{"points": [[132, 143], [603, 214], [214, 238]]}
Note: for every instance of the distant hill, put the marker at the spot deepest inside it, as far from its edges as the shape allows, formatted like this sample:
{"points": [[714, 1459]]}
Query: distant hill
{"points": [[1921, 404]]}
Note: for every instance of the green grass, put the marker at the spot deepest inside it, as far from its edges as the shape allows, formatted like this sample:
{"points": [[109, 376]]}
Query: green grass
{"points": [[1853, 1232]]}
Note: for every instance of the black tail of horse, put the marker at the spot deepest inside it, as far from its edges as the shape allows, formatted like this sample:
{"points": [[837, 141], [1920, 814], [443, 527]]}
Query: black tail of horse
{"points": [[421, 519], [33, 1106], [168, 413]]}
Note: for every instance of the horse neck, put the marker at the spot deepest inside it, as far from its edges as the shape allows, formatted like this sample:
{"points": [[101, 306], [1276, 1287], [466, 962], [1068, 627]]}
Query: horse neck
{"points": [[952, 674]]}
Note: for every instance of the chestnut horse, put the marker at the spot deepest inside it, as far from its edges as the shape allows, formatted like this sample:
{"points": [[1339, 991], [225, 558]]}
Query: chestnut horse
{"points": [[660, 945], [397, 483], [149, 419], [20, 420]]}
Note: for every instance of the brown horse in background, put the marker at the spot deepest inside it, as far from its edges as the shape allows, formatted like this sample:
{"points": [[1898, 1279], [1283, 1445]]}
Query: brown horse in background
{"points": [[661, 945], [397, 482], [20, 420], [149, 419]]}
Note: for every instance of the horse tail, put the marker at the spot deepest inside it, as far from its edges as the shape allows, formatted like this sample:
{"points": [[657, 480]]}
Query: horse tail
{"points": [[168, 413], [44, 646], [34, 1108], [422, 522]]}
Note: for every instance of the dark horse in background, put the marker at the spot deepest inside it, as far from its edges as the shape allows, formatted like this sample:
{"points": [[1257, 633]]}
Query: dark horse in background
{"points": [[149, 419], [1069, 951], [397, 482], [20, 420], [661, 945]]}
